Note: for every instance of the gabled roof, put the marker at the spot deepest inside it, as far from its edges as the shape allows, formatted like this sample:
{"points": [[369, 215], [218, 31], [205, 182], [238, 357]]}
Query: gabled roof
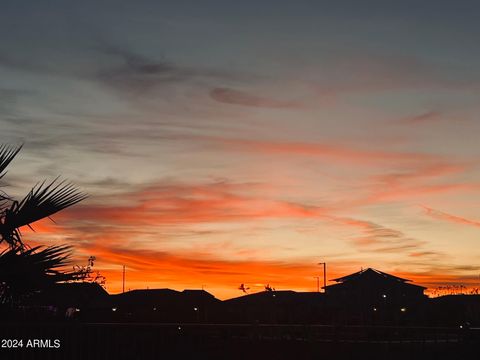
{"points": [[370, 274], [367, 272]]}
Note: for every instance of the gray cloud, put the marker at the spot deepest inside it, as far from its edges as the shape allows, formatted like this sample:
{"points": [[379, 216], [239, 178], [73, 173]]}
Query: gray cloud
{"points": [[9, 100], [238, 97], [429, 116], [135, 73]]}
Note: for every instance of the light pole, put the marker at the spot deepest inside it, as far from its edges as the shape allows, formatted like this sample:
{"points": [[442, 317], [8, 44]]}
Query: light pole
{"points": [[123, 280], [324, 275], [318, 283]]}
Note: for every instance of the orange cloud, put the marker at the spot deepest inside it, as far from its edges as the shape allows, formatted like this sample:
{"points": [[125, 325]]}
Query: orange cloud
{"points": [[378, 238], [425, 254], [193, 269], [413, 174], [441, 277], [177, 206], [111, 230], [412, 191], [448, 217], [334, 152], [421, 179], [184, 204]]}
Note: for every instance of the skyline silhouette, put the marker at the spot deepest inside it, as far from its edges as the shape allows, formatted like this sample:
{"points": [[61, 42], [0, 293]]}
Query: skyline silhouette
{"points": [[220, 154], [265, 179]]}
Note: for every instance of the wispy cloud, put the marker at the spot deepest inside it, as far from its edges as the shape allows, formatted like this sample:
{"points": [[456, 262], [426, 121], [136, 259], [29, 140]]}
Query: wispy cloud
{"points": [[437, 214], [378, 238], [120, 69], [432, 176], [326, 150], [164, 204], [8, 100], [138, 74], [425, 254], [426, 117], [238, 97], [369, 71], [147, 212]]}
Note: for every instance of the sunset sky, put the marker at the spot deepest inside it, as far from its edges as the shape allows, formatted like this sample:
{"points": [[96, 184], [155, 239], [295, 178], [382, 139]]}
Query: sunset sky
{"points": [[228, 142]]}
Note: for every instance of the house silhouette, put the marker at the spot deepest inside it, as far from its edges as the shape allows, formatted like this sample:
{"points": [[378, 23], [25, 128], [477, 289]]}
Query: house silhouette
{"points": [[88, 301], [367, 297], [164, 305], [275, 307], [373, 296], [372, 284]]}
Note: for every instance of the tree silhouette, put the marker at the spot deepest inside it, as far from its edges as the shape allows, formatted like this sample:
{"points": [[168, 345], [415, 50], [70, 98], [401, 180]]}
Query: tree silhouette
{"points": [[24, 270], [86, 274], [269, 288]]}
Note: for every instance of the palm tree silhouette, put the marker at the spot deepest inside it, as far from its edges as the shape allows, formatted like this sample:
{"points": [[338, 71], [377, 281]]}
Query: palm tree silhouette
{"points": [[23, 272], [24, 269]]}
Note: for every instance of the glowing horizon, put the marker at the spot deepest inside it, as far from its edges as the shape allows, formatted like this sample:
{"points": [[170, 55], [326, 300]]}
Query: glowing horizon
{"points": [[217, 153]]}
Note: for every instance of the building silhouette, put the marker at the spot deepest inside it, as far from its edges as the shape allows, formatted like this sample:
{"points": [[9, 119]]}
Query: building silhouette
{"points": [[371, 283], [367, 297], [371, 296]]}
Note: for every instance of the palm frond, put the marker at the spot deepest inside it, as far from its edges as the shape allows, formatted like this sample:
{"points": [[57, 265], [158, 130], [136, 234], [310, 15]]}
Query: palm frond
{"points": [[7, 153], [23, 272], [44, 200]]}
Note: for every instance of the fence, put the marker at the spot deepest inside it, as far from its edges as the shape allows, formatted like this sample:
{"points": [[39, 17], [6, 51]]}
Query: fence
{"points": [[229, 341]]}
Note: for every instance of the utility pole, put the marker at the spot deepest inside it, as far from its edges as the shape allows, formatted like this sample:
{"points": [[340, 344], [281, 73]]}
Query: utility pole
{"points": [[324, 275], [123, 280], [318, 283]]}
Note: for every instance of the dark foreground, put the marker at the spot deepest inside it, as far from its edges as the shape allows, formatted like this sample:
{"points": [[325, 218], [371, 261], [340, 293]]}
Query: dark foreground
{"points": [[211, 341]]}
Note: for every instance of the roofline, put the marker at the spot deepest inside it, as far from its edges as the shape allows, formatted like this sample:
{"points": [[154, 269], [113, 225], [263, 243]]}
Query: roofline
{"points": [[344, 278], [408, 284]]}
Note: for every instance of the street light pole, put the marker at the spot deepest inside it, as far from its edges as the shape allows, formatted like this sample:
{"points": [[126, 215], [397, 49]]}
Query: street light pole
{"points": [[324, 275], [318, 283], [123, 280]]}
